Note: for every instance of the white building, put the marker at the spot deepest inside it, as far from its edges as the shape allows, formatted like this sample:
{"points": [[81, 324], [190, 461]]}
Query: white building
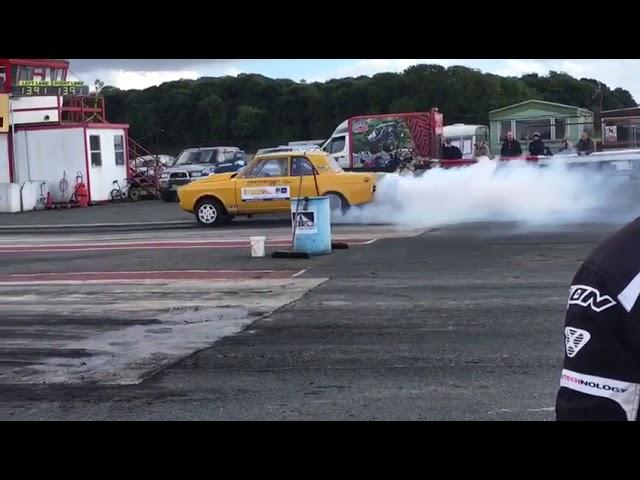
{"points": [[56, 139]]}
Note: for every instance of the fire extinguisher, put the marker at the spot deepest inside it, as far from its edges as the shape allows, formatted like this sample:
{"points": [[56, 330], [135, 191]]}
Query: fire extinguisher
{"points": [[80, 192]]}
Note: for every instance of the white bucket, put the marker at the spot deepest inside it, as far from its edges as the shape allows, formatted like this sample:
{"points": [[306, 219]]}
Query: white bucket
{"points": [[257, 246]]}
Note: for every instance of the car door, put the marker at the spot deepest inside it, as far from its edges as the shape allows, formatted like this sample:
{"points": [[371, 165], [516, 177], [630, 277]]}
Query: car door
{"points": [[265, 187], [304, 184]]}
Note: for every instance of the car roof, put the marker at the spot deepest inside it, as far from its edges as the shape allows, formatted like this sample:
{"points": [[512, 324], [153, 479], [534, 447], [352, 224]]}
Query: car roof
{"points": [[211, 148], [294, 151], [289, 148]]}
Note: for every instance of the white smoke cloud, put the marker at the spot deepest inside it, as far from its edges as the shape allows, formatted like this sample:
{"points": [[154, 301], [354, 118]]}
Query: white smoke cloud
{"points": [[488, 192]]}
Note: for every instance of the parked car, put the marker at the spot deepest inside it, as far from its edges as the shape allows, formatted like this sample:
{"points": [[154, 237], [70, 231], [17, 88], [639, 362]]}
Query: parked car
{"points": [[195, 163], [148, 164], [269, 181]]}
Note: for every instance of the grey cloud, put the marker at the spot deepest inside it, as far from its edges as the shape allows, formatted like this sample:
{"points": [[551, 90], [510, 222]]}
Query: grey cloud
{"points": [[80, 66]]}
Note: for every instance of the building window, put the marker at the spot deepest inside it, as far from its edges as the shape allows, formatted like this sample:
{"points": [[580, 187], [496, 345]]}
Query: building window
{"points": [[57, 74], [526, 128], [3, 78], [505, 126], [96, 155], [118, 145], [39, 74], [25, 74], [560, 128]]}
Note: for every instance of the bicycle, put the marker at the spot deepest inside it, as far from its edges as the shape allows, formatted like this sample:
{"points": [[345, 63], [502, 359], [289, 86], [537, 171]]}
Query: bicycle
{"points": [[129, 193]]}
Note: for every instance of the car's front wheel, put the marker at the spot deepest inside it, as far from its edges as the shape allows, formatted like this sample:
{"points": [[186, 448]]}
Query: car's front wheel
{"points": [[210, 212]]}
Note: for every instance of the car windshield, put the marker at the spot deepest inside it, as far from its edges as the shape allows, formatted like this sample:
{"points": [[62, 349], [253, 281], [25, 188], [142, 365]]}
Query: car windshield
{"points": [[194, 157]]}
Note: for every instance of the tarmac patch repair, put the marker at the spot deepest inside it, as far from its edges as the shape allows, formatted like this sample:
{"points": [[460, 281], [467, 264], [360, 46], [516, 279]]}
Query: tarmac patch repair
{"points": [[123, 335]]}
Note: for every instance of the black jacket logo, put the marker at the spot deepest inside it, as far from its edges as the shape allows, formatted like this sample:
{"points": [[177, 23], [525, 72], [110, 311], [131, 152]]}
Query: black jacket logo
{"points": [[589, 297]]}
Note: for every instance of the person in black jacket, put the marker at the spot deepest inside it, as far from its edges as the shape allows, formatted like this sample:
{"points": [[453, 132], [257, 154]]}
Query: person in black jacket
{"points": [[600, 379], [450, 152], [536, 147], [511, 147], [585, 145]]}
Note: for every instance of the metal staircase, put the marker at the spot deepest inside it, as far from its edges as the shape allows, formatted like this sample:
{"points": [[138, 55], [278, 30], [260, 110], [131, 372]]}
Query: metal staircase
{"points": [[144, 176], [142, 173]]}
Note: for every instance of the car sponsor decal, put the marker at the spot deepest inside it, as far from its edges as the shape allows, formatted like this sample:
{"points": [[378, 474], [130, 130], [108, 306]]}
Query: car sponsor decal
{"points": [[586, 296], [575, 339], [250, 194], [360, 126]]}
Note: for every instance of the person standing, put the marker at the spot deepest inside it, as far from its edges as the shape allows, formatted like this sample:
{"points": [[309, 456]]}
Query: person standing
{"points": [[536, 147], [450, 152], [481, 150], [565, 147], [585, 145], [511, 147], [600, 378]]}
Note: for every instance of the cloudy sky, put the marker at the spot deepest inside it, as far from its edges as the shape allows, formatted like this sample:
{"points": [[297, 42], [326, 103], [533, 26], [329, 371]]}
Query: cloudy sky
{"points": [[131, 73]]}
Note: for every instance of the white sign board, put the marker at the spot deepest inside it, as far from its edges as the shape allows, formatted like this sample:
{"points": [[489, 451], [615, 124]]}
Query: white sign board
{"points": [[305, 222], [250, 194]]}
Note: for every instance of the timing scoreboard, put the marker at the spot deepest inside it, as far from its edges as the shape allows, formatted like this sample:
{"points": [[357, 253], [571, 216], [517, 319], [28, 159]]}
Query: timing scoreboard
{"points": [[34, 88]]}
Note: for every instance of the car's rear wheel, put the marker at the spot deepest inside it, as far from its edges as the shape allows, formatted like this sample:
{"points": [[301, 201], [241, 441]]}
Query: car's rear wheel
{"points": [[337, 203], [210, 212]]}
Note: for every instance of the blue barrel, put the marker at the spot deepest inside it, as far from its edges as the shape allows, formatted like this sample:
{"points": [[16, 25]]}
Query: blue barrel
{"points": [[312, 225]]}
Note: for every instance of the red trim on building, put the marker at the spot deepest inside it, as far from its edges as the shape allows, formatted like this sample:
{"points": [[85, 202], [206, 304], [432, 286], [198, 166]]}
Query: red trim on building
{"points": [[106, 125], [10, 147], [33, 109], [386, 115], [33, 62], [127, 158], [86, 161], [55, 126]]}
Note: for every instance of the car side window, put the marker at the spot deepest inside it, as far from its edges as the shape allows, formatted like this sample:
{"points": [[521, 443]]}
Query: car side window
{"points": [[271, 167], [228, 156], [301, 166], [205, 156]]}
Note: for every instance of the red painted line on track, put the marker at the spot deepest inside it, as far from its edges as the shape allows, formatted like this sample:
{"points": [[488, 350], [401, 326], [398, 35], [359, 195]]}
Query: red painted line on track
{"points": [[153, 245], [105, 277]]}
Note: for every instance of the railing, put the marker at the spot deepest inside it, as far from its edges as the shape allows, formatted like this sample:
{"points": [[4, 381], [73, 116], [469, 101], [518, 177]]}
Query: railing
{"points": [[83, 109], [144, 176]]}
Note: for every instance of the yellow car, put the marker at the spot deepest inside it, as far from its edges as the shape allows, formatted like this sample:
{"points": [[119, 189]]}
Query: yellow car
{"points": [[269, 181]]}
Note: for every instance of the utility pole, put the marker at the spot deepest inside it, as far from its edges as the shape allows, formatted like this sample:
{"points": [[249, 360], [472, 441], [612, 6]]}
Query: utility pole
{"points": [[597, 122]]}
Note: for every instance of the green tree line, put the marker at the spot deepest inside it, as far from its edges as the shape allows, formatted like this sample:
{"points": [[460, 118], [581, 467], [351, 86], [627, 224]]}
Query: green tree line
{"points": [[253, 111]]}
